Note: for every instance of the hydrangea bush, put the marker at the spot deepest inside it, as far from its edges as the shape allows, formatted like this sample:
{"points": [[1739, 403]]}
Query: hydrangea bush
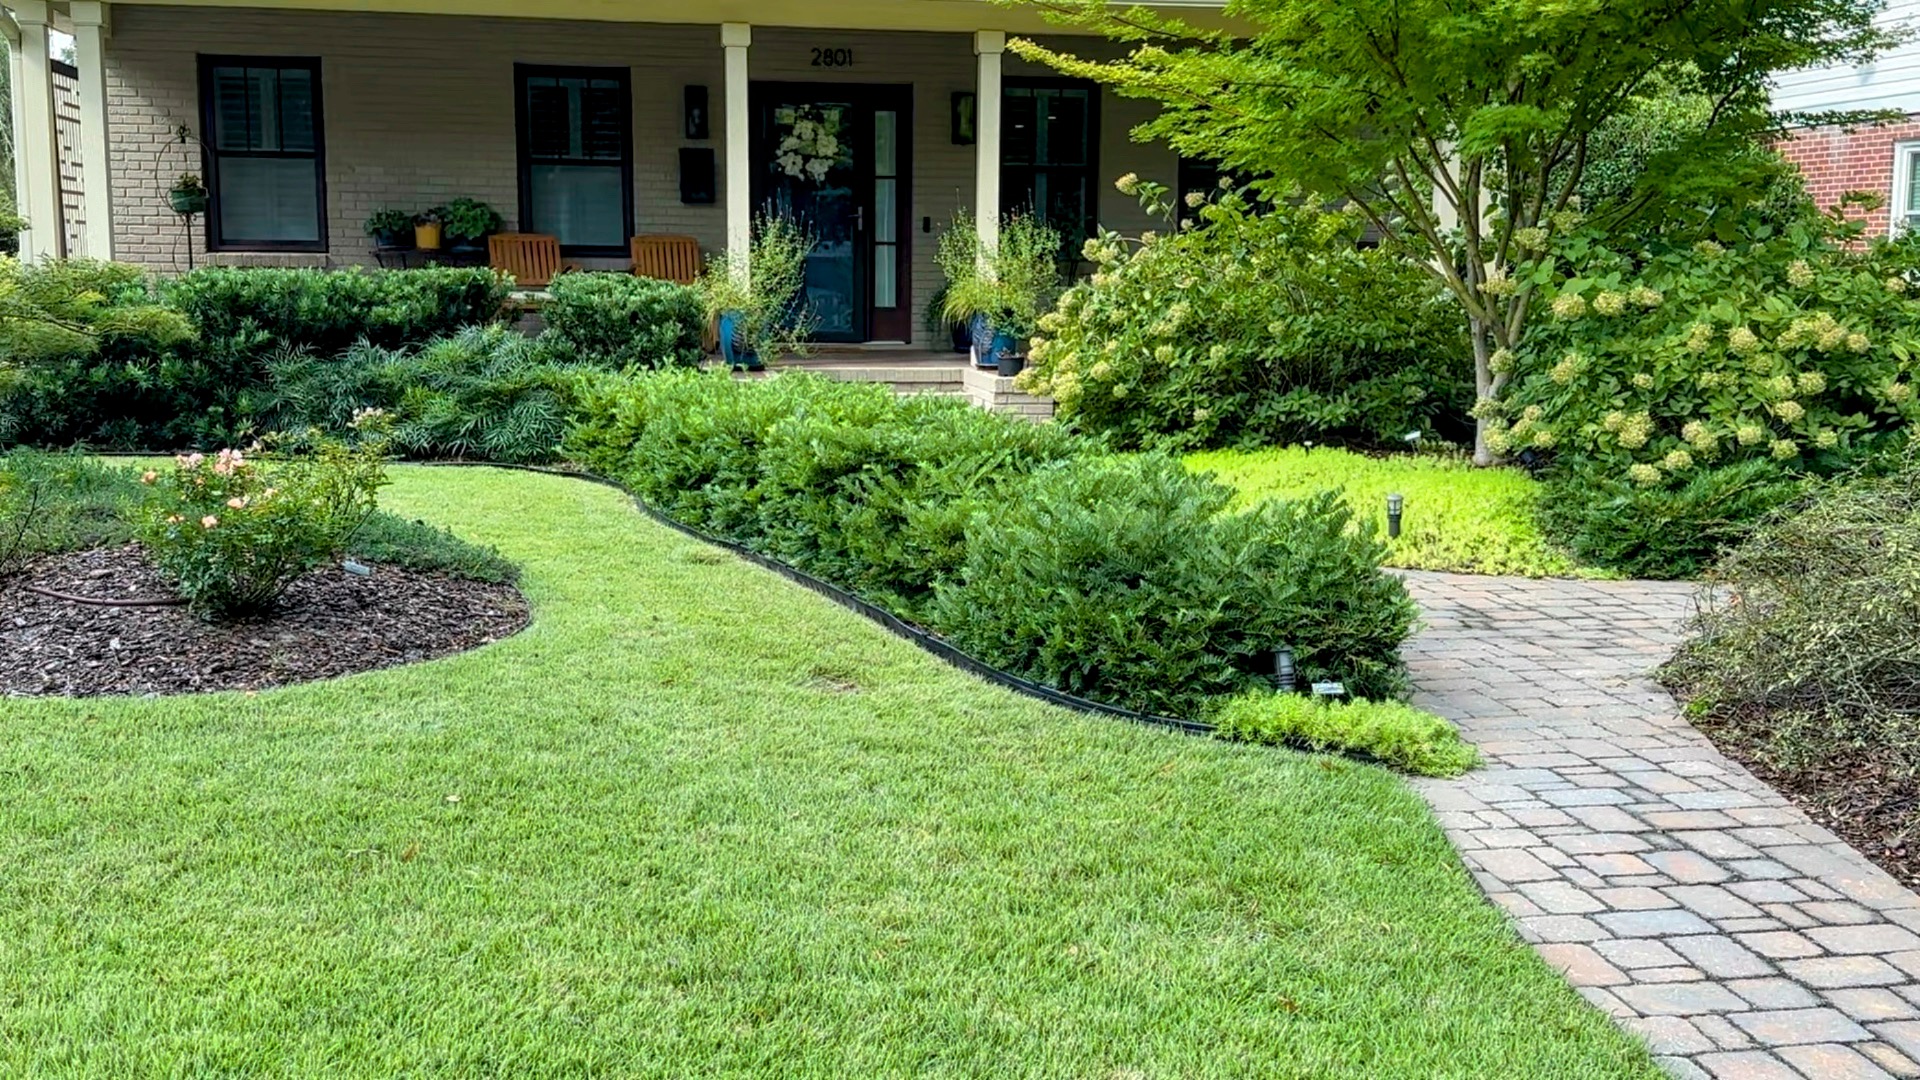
{"points": [[1786, 344], [233, 532], [1253, 323]]}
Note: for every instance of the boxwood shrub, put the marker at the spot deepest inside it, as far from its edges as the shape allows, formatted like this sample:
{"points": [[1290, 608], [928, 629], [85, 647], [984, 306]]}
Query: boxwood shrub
{"points": [[624, 320], [1125, 580]]}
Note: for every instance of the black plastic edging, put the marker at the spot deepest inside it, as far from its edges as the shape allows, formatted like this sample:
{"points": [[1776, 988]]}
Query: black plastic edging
{"points": [[927, 640]]}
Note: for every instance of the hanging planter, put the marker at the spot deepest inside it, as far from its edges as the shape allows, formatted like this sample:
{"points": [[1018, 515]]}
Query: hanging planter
{"points": [[188, 195]]}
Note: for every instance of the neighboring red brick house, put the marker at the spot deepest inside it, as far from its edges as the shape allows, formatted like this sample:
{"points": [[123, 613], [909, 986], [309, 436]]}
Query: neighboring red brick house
{"points": [[1883, 159]]}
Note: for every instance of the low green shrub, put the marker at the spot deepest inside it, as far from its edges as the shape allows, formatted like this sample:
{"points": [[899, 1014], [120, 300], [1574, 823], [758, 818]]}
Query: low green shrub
{"points": [[391, 540], [1673, 529], [1266, 325], [1805, 648], [152, 386], [621, 320], [1456, 517], [233, 534], [61, 502], [1393, 733], [1125, 580], [484, 393]]}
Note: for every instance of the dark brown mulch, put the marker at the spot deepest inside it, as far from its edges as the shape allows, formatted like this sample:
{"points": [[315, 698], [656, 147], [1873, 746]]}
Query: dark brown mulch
{"points": [[329, 623], [1873, 808]]}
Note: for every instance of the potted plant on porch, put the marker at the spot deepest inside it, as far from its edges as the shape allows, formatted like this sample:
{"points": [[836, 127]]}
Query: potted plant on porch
{"points": [[937, 322], [755, 301], [468, 223], [392, 230], [1000, 294], [188, 195], [426, 228]]}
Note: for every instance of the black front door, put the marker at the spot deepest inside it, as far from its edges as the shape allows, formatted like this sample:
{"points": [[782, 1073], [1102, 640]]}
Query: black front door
{"points": [[833, 159]]}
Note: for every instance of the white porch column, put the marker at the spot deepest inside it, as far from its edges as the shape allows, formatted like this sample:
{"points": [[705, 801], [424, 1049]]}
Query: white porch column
{"points": [[14, 78], [988, 45], [734, 40], [96, 174], [33, 142]]}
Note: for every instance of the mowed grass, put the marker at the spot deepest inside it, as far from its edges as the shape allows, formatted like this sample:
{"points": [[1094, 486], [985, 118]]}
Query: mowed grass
{"points": [[1456, 517], [696, 821]]}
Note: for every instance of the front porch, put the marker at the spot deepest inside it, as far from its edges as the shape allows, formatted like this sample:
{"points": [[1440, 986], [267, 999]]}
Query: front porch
{"points": [[304, 122]]}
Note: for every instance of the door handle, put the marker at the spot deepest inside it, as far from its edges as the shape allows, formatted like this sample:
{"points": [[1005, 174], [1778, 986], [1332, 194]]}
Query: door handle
{"points": [[860, 219]]}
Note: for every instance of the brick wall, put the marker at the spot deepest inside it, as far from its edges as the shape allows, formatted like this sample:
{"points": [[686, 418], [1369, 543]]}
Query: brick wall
{"points": [[1836, 161], [419, 110]]}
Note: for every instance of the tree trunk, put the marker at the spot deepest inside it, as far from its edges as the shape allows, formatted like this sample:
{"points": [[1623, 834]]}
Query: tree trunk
{"points": [[1480, 334]]}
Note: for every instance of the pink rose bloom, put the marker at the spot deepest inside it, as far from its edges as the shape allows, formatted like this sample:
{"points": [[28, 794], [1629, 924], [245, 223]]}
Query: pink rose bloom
{"points": [[237, 502], [191, 461], [173, 519], [149, 476], [209, 521]]}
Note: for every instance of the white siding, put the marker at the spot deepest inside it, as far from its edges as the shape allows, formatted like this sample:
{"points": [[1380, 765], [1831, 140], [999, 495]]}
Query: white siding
{"points": [[1891, 82]]}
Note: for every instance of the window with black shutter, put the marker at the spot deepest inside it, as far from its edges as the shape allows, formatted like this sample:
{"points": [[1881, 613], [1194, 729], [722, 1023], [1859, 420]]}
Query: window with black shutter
{"points": [[576, 156], [266, 162]]}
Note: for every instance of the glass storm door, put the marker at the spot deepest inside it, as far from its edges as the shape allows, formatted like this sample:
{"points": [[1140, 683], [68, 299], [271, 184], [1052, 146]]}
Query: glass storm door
{"points": [[831, 159]]}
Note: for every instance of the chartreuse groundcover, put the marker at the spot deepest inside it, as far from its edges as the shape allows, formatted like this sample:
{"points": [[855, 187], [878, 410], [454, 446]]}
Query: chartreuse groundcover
{"points": [[698, 821]]}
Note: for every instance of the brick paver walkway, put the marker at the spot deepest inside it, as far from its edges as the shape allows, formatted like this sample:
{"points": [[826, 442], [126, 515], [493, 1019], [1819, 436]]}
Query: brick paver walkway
{"points": [[1674, 889]]}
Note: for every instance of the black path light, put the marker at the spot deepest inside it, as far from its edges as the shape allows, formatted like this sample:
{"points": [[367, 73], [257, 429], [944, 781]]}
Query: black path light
{"points": [[1395, 504], [1284, 676]]}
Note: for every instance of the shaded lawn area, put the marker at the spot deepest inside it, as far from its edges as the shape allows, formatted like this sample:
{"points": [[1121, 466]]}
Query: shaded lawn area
{"points": [[1457, 517], [698, 821]]}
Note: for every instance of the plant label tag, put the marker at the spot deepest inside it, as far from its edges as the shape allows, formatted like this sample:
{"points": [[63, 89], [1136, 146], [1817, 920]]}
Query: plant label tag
{"points": [[1329, 689]]}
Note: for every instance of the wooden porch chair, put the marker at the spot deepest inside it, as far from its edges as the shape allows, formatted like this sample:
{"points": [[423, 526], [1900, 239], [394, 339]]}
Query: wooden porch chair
{"points": [[533, 259], [669, 258]]}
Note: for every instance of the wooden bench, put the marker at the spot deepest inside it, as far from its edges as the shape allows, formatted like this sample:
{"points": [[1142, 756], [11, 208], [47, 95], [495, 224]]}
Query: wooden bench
{"points": [[669, 258], [532, 259]]}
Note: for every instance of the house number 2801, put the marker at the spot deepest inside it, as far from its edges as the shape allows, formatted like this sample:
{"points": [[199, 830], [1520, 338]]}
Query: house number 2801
{"points": [[833, 58]]}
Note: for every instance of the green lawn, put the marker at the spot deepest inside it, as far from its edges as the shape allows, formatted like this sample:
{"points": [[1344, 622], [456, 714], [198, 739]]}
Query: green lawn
{"points": [[1457, 517], [697, 821]]}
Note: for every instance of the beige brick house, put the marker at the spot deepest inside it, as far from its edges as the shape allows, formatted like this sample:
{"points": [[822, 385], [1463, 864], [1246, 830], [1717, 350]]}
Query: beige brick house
{"points": [[594, 120]]}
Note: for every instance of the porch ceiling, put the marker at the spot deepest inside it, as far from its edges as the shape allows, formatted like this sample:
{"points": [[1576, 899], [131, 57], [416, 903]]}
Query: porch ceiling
{"points": [[935, 15]]}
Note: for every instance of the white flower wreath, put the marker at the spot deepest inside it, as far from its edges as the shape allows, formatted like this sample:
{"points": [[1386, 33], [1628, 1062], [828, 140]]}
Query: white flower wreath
{"points": [[812, 147]]}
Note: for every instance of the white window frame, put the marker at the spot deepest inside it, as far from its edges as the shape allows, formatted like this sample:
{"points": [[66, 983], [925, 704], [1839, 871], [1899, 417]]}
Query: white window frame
{"points": [[1904, 176]]}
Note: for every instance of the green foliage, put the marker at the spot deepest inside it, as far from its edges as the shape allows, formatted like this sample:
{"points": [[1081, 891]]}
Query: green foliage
{"points": [[389, 222], [1267, 325], [485, 392], [1455, 516], [233, 533], [391, 540], [1011, 285], [149, 390], [622, 320], [1805, 647], [1674, 528], [70, 306], [469, 219], [1462, 129], [1396, 734], [762, 289], [1124, 580], [1787, 345], [60, 502]]}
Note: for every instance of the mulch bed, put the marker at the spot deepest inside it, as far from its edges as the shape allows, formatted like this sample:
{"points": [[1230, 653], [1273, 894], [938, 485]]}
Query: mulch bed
{"points": [[1872, 808], [329, 623]]}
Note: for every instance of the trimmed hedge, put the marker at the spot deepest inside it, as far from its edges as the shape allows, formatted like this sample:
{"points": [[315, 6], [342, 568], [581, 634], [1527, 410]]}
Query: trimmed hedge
{"points": [[1123, 580], [138, 392], [621, 320]]}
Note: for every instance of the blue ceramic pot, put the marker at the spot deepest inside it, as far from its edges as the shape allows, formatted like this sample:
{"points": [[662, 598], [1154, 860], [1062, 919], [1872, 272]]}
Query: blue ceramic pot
{"points": [[733, 344]]}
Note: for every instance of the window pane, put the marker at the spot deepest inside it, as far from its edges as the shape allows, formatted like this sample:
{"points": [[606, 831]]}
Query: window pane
{"points": [[886, 211], [886, 285], [1063, 132], [1020, 134], [268, 199], [296, 110], [886, 146], [549, 119], [603, 121], [581, 204], [1913, 181], [229, 108]]}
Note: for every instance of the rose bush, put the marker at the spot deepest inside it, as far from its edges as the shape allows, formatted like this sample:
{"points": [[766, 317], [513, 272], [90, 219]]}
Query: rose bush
{"points": [[233, 532]]}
